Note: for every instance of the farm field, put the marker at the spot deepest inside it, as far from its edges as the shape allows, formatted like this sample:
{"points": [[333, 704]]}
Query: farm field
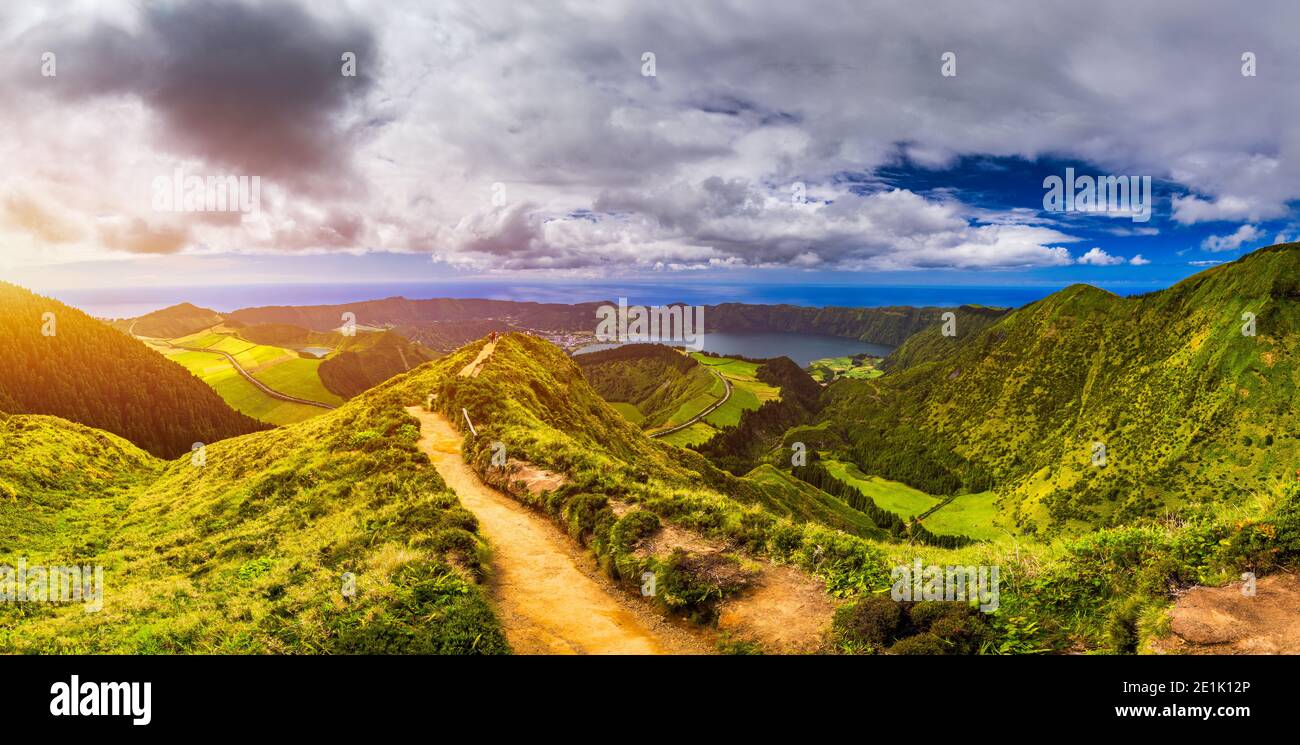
{"points": [[747, 391], [692, 435], [281, 369], [629, 411], [893, 496], [972, 515], [831, 368], [243, 396]]}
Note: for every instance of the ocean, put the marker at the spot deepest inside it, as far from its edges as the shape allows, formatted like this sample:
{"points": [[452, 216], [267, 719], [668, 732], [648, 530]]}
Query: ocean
{"points": [[128, 302]]}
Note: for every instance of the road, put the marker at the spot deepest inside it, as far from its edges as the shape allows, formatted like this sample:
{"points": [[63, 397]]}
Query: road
{"points": [[726, 383], [249, 377], [263, 387]]}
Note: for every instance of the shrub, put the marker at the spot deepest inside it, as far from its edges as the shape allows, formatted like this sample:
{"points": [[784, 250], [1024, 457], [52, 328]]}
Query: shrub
{"points": [[867, 625]]}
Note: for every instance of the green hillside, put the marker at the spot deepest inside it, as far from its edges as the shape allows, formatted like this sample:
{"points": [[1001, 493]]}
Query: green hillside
{"points": [[363, 361], [247, 553], [60, 361], [1189, 409], [251, 551], [1103, 591], [665, 386], [178, 320]]}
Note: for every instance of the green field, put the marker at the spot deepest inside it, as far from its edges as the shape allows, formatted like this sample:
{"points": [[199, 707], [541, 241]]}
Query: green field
{"points": [[281, 369], [242, 395], [747, 391], [629, 411], [830, 368], [692, 435], [692, 407], [972, 515], [897, 498]]}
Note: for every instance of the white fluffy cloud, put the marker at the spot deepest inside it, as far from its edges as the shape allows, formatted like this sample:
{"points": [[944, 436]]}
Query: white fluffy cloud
{"points": [[1097, 257], [1233, 241], [601, 166]]}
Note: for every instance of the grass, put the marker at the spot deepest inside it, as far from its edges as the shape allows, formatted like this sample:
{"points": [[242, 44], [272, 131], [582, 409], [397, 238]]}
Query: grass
{"points": [[692, 435], [973, 515], [281, 369], [747, 391], [629, 411], [251, 552], [243, 396], [831, 368], [897, 498]]}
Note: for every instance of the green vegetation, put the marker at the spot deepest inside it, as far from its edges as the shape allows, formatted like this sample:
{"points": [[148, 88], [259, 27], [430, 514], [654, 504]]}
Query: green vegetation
{"points": [[666, 387], [1167, 382], [169, 323], [973, 515], [215, 370], [70, 365], [367, 359], [900, 499], [858, 366], [629, 411], [250, 552]]}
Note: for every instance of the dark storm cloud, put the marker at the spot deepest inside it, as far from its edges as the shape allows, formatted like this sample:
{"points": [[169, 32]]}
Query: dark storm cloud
{"points": [[253, 87]]}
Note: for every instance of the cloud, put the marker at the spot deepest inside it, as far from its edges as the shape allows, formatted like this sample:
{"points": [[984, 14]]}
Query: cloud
{"points": [[1233, 241], [1204, 262], [1138, 261], [606, 168], [254, 87], [1097, 257], [735, 223], [44, 223]]}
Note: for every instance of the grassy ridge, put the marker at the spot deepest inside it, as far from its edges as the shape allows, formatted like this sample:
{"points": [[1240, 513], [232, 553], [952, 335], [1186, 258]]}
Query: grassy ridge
{"points": [[60, 361], [249, 553], [1189, 409], [215, 370]]}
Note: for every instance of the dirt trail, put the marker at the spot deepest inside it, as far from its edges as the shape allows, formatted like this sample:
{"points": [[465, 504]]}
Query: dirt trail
{"points": [[1221, 620], [472, 369], [547, 602]]}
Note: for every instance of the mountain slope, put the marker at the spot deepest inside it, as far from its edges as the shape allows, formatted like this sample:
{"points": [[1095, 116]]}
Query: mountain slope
{"points": [[1187, 407], [70, 365], [178, 320], [368, 359], [657, 380], [334, 535]]}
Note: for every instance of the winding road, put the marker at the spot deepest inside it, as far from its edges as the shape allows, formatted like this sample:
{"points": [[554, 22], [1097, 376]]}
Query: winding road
{"points": [[249, 377], [726, 395], [263, 387]]}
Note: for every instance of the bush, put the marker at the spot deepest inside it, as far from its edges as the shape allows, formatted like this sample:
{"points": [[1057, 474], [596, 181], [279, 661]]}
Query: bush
{"points": [[631, 528], [694, 583], [927, 644], [868, 625], [581, 513]]}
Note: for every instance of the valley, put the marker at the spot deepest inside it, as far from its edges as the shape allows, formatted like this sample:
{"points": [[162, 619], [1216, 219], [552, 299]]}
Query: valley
{"points": [[747, 489]]}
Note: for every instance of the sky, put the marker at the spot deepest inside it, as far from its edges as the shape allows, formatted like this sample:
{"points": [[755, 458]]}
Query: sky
{"points": [[763, 141]]}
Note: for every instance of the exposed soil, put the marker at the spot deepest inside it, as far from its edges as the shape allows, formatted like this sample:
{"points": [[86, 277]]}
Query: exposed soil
{"points": [[547, 592], [787, 611], [1221, 620], [472, 369]]}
